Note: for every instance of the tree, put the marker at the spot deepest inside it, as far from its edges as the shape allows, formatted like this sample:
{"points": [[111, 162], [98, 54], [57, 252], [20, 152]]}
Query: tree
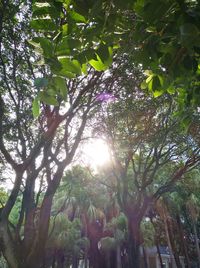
{"points": [[149, 156], [162, 37], [171, 229], [35, 149], [81, 197], [172, 212], [65, 244], [60, 82]]}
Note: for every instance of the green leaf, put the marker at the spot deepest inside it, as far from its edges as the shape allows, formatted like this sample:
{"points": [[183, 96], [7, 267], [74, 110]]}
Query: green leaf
{"points": [[103, 53], [43, 25], [143, 85], [84, 68], [50, 11], [54, 64], [65, 29], [36, 107], [161, 80], [148, 72], [155, 83], [149, 78], [60, 85], [46, 46], [189, 34], [158, 93], [66, 3], [151, 29], [185, 123], [70, 66], [48, 99], [40, 5], [86, 55], [98, 64], [65, 73], [40, 82], [171, 90], [76, 16], [67, 46], [34, 43]]}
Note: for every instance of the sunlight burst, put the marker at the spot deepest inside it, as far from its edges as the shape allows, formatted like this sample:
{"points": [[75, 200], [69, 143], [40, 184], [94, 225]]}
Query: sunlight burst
{"points": [[96, 153]]}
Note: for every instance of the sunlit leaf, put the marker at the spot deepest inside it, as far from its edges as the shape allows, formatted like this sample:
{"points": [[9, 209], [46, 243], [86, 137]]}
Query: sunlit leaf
{"points": [[171, 90], [71, 66], [84, 68], [76, 16], [36, 107], [98, 64], [158, 93], [143, 85]]}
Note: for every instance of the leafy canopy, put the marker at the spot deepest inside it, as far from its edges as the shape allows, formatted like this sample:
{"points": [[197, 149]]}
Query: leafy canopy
{"points": [[163, 36]]}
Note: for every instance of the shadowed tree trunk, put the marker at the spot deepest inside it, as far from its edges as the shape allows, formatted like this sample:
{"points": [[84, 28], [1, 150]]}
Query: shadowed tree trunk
{"points": [[196, 241], [133, 242], [95, 231], [75, 261], [118, 257], [159, 255], [170, 230], [156, 240], [181, 234], [145, 257]]}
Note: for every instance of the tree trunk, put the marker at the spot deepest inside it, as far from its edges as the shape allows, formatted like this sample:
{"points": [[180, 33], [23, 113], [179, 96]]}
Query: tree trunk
{"points": [[94, 233], [75, 261], [181, 234], [133, 253], [133, 243], [145, 257], [54, 260], [159, 255], [36, 253], [108, 259], [118, 257], [7, 246], [196, 242], [170, 241], [96, 260], [168, 238], [157, 243], [35, 256]]}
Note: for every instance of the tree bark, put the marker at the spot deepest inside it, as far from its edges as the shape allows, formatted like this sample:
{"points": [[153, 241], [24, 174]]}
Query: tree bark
{"points": [[133, 243], [168, 238], [75, 261], [170, 241], [7, 246], [181, 234], [159, 255], [118, 257], [196, 242], [145, 257], [157, 243]]}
